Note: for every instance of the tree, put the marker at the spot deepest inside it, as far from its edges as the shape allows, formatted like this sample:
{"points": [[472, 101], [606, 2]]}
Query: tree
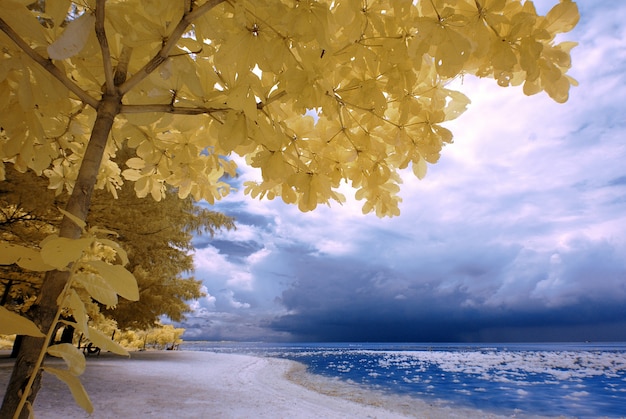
{"points": [[156, 235], [188, 83], [25, 219]]}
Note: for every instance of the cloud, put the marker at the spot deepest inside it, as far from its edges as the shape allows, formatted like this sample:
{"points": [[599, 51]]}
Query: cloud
{"points": [[584, 270], [207, 301], [518, 233], [230, 297]]}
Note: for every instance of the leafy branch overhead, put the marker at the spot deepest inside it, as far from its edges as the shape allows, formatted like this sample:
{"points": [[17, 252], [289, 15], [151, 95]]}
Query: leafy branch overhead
{"points": [[314, 94], [196, 81]]}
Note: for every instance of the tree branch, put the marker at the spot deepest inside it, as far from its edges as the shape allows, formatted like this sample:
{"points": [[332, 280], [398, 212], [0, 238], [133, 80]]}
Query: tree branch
{"points": [[167, 47], [188, 4], [271, 99], [122, 65], [167, 108], [104, 47], [49, 66]]}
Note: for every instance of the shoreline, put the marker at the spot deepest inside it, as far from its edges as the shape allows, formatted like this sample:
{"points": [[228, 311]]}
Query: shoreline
{"points": [[195, 384]]}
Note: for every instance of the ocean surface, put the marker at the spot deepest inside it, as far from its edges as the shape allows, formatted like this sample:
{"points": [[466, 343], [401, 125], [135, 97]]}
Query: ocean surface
{"points": [[581, 380]]}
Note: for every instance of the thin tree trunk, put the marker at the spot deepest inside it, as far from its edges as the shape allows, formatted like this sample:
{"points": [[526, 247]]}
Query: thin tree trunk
{"points": [[5, 294], [45, 308], [67, 336], [16, 346]]}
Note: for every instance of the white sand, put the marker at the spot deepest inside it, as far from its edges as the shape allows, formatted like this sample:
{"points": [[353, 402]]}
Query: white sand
{"points": [[181, 384]]}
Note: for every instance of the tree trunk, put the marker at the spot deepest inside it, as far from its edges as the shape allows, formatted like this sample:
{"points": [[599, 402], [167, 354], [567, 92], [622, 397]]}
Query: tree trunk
{"points": [[5, 294], [45, 308], [16, 346], [67, 336]]}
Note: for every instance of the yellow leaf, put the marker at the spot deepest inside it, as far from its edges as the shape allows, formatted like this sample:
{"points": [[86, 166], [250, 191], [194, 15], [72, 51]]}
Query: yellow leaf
{"points": [[452, 53], [119, 278], [275, 168], [22, 20], [77, 307], [530, 51], [97, 287], [309, 188], [420, 168], [241, 98], [288, 194], [61, 251], [74, 358], [157, 191], [75, 386], [502, 56], [560, 54], [531, 87], [23, 256], [132, 175], [14, 324], [457, 104], [25, 91], [136, 163], [233, 132], [80, 223], [10, 253], [103, 342], [562, 17], [142, 183], [558, 89], [57, 10], [32, 260], [5, 95]]}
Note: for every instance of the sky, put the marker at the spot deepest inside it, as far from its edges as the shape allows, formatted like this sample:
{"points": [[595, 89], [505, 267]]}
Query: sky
{"points": [[518, 233]]}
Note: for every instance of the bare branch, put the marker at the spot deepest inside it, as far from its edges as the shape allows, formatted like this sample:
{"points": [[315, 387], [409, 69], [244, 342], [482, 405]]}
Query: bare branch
{"points": [[49, 66], [167, 108], [164, 52], [188, 4], [104, 47], [122, 65]]}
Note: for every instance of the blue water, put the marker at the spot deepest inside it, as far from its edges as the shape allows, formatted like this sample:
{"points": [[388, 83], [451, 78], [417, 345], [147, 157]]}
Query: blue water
{"points": [[573, 380]]}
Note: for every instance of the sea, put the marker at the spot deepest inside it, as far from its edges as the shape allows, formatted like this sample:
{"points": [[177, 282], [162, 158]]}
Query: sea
{"points": [[572, 380]]}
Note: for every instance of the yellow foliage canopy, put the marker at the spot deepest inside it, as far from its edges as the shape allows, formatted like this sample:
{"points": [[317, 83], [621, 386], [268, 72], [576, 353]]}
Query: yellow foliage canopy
{"points": [[205, 79]]}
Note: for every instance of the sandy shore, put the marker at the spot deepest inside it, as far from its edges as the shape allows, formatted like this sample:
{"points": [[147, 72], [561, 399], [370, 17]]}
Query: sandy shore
{"points": [[181, 384]]}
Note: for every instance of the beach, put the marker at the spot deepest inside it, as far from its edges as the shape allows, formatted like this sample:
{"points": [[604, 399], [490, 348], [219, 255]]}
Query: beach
{"points": [[188, 384]]}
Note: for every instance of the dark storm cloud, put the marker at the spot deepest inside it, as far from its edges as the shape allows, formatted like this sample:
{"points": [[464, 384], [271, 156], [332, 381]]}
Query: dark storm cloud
{"points": [[379, 306], [458, 325]]}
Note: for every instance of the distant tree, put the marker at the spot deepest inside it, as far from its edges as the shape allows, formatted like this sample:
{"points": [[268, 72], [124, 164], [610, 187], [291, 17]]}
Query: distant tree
{"points": [[157, 237], [26, 218], [187, 83]]}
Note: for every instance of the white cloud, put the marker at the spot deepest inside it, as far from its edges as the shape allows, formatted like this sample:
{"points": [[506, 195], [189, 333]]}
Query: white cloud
{"points": [[210, 299], [241, 279], [211, 260], [230, 297], [242, 233], [258, 257]]}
